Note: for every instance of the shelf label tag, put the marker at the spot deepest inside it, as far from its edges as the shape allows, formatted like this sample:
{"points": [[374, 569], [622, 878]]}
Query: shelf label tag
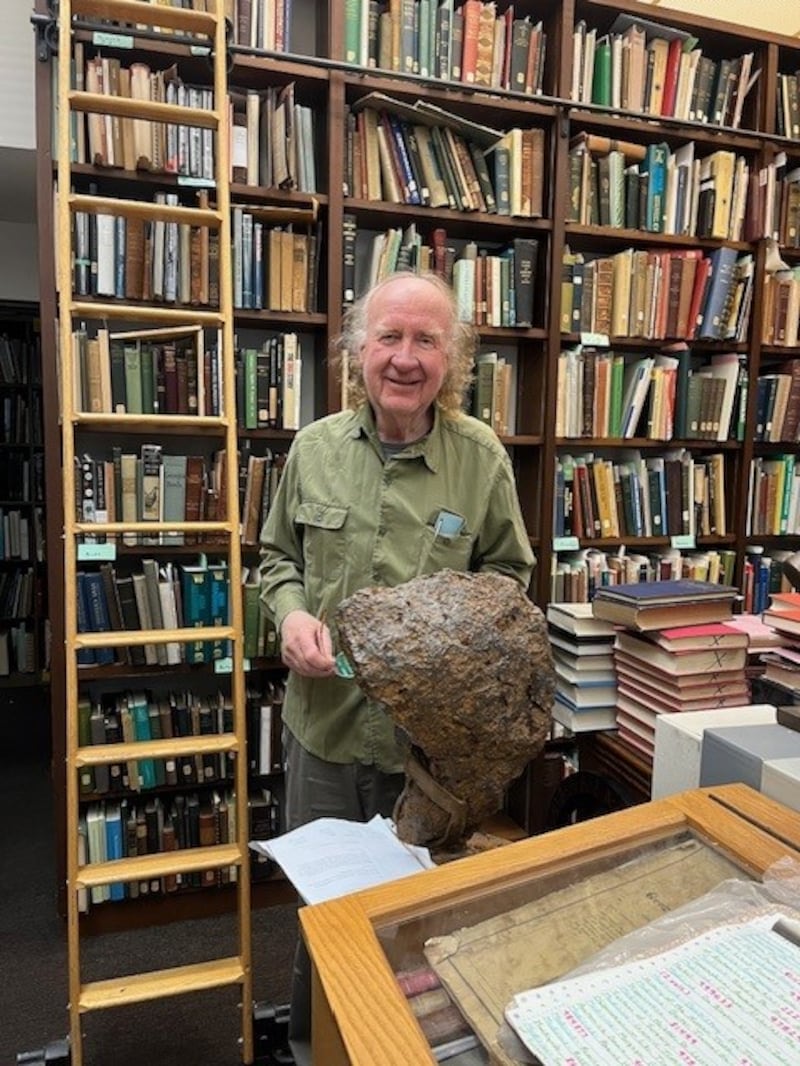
{"points": [[683, 540], [196, 183], [595, 340], [566, 544], [97, 553], [200, 50], [112, 40], [225, 666]]}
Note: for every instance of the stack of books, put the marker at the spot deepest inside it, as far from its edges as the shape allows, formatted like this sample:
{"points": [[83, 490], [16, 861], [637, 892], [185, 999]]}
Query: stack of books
{"points": [[782, 663], [676, 652], [583, 655]]}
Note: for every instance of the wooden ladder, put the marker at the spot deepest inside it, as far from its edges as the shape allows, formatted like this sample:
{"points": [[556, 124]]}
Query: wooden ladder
{"points": [[206, 29]]}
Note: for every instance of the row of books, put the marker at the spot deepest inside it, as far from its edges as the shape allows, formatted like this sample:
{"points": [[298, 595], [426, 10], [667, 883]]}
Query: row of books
{"points": [[576, 576], [786, 201], [636, 68], [22, 481], [762, 577], [469, 42], [20, 361], [782, 661], [259, 474], [661, 397], [658, 294], [159, 371], [113, 829], [262, 24], [139, 715], [21, 535], [273, 140], [150, 486], [166, 596], [20, 589], [154, 486], [780, 320], [778, 403], [773, 503], [656, 189], [264, 726], [136, 144], [494, 286], [399, 159], [670, 495], [17, 649], [22, 419], [787, 115], [132, 258], [269, 383], [274, 267], [494, 392]]}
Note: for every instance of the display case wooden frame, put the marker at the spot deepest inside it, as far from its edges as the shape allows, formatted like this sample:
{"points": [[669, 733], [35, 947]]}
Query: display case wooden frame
{"points": [[360, 1016]]}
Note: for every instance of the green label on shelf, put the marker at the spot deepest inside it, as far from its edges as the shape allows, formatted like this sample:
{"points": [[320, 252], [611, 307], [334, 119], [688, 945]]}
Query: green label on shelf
{"points": [[683, 540], [112, 40], [566, 544], [196, 183], [97, 553], [596, 340], [225, 666], [200, 50]]}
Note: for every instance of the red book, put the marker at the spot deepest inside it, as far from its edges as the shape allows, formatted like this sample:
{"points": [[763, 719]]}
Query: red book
{"points": [[671, 76]]}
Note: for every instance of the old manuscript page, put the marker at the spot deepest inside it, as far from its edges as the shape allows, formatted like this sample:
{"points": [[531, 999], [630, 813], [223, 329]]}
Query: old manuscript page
{"points": [[484, 966]]}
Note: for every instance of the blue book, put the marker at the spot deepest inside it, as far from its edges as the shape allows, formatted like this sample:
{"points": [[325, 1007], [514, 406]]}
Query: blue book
{"points": [[652, 593], [97, 614], [720, 283], [655, 167], [140, 713], [114, 846]]}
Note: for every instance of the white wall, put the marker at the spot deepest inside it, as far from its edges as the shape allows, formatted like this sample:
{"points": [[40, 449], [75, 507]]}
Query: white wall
{"points": [[777, 16], [17, 50], [19, 266]]}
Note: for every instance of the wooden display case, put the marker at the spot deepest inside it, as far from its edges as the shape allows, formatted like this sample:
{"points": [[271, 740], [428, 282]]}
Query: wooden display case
{"points": [[359, 942]]}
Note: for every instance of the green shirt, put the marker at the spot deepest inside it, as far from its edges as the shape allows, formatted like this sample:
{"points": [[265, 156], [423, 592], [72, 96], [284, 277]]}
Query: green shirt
{"points": [[345, 517]]}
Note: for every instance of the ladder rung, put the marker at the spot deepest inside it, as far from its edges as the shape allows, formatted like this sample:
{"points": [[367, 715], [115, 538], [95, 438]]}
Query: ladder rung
{"points": [[146, 209], [101, 528], [117, 638], [139, 12], [140, 987], [160, 864], [172, 315], [102, 754], [147, 110], [180, 424]]}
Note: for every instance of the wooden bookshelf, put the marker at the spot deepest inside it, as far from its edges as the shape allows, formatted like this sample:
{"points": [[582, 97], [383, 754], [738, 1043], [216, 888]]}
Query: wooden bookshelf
{"points": [[314, 69]]}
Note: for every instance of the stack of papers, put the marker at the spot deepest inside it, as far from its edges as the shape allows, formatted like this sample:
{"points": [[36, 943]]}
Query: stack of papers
{"points": [[331, 857]]}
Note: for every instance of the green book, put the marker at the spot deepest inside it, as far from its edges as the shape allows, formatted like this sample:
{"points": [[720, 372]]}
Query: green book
{"points": [[133, 379], [148, 379], [251, 388], [601, 82], [617, 386], [173, 495]]}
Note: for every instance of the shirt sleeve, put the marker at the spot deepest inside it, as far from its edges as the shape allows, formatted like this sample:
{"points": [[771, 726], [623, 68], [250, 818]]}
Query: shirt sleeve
{"points": [[503, 543], [281, 554]]}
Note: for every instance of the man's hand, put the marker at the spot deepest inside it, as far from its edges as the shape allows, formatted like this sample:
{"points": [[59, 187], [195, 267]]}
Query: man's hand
{"points": [[306, 645]]}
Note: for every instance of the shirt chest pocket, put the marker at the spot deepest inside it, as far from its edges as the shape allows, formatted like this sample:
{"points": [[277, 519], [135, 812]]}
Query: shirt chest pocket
{"points": [[323, 527]]}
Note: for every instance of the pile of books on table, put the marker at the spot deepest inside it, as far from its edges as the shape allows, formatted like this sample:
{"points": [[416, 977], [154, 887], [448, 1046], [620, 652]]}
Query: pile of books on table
{"points": [[673, 652], [583, 656], [782, 664]]}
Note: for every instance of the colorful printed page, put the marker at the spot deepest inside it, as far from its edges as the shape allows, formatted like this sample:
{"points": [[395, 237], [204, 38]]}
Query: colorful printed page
{"points": [[729, 996]]}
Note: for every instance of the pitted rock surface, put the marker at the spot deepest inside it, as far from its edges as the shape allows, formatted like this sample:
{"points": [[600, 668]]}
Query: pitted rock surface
{"points": [[462, 664]]}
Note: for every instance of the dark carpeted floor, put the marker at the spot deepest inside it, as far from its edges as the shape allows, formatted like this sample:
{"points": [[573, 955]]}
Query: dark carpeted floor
{"points": [[186, 1030]]}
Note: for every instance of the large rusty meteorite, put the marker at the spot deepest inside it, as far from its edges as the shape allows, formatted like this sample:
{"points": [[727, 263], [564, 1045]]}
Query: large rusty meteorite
{"points": [[462, 664]]}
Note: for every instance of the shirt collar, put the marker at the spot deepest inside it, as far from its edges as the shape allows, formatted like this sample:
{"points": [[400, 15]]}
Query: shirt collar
{"points": [[429, 449]]}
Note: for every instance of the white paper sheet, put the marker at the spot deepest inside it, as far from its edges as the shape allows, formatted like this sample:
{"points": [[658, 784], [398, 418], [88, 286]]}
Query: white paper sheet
{"points": [[730, 997], [331, 857]]}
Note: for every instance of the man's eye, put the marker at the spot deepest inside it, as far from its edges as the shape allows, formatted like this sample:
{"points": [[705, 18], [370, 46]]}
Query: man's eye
{"points": [[387, 338], [427, 342]]}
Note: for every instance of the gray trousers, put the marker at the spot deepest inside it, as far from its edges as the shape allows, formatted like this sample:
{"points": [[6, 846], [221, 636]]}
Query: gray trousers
{"points": [[319, 789]]}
